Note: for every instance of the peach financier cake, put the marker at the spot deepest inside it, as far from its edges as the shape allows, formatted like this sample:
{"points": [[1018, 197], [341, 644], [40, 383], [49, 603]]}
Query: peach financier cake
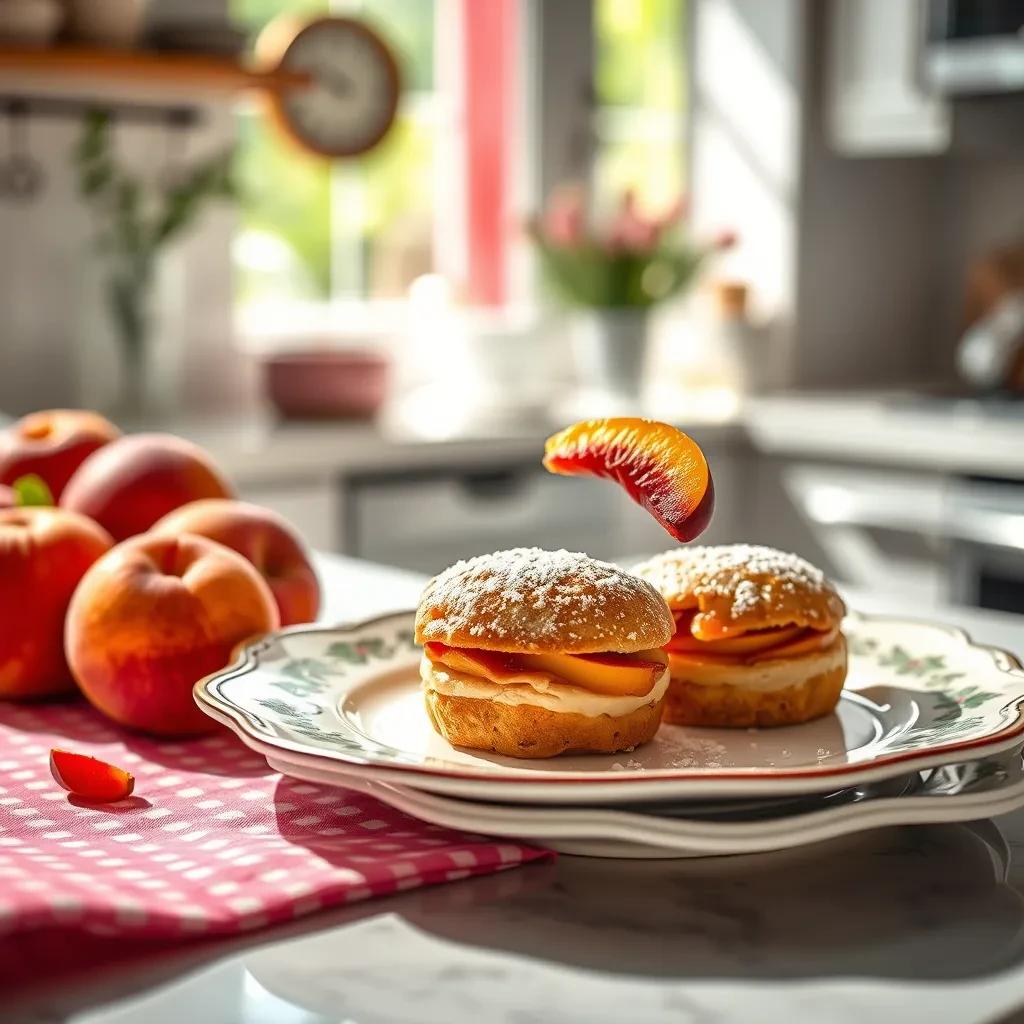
{"points": [[757, 636], [533, 653]]}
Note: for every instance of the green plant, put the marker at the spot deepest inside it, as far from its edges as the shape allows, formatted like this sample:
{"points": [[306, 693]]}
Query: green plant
{"points": [[136, 219]]}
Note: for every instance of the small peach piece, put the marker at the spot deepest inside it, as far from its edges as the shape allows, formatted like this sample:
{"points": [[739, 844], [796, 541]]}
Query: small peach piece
{"points": [[809, 641], [494, 665], [659, 467], [89, 777]]}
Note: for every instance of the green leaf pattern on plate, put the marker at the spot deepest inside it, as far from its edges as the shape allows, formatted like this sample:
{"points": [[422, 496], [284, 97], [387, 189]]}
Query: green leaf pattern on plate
{"points": [[307, 678], [950, 701]]}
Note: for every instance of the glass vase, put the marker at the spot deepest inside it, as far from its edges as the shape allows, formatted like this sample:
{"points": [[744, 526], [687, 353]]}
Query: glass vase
{"points": [[611, 351]]}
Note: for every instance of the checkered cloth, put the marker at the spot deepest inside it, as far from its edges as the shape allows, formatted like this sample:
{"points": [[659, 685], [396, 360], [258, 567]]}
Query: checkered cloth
{"points": [[212, 841]]}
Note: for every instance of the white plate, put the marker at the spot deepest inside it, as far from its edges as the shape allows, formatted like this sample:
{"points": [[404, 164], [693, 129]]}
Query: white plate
{"points": [[918, 695], [965, 792]]}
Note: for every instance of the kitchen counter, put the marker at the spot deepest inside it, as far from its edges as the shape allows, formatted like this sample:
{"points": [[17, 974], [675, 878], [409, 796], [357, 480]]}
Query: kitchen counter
{"points": [[901, 429], [259, 449], [911, 924], [888, 428]]}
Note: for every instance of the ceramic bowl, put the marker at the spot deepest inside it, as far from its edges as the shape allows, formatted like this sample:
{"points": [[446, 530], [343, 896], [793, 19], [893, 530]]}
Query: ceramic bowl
{"points": [[342, 384]]}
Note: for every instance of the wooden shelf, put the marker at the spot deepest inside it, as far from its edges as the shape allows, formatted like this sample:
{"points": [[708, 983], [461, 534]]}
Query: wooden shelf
{"points": [[84, 72]]}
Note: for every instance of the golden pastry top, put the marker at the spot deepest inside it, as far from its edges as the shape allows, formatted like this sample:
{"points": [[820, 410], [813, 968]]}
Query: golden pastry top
{"points": [[530, 600], [737, 588]]}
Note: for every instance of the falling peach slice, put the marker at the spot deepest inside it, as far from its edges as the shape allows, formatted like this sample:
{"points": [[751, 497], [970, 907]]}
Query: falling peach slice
{"points": [[89, 777], [659, 466]]}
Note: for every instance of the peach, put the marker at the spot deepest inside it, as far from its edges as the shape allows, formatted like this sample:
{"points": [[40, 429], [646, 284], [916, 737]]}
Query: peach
{"points": [[52, 444], [90, 778], [8, 499], [134, 481], [743, 645], [659, 467], [610, 673], [44, 552], [155, 615], [265, 539]]}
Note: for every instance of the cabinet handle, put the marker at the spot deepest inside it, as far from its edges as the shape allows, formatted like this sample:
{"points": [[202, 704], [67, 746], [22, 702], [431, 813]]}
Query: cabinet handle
{"points": [[493, 485], [842, 506]]}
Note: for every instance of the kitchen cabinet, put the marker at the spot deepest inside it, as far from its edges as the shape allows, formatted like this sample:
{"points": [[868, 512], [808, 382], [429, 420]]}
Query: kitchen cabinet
{"points": [[874, 103], [881, 528], [311, 506], [425, 521]]}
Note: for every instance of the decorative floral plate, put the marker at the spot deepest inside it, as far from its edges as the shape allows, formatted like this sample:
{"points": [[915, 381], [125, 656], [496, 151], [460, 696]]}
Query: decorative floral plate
{"points": [[347, 699]]}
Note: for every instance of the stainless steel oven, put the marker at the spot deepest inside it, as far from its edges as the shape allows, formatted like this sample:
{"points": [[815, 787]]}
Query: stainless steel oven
{"points": [[924, 537], [973, 47], [985, 522]]}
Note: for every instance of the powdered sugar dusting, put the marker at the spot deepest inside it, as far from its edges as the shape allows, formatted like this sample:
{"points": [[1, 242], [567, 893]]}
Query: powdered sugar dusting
{"points": [[677, 749], [685, 750], [751, 578], [528, 598]]}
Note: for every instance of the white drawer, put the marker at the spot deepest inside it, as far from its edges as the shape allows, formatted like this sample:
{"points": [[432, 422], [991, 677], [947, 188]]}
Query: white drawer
{"points": [[427, 523]]}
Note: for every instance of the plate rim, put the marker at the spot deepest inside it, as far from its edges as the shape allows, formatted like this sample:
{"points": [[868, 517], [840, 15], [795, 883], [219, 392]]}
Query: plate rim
{"points": [[707, 838], [246, 658]]}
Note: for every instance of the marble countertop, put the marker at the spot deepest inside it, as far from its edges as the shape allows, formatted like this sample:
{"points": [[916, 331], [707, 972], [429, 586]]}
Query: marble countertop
{"points": [[910, 924]]}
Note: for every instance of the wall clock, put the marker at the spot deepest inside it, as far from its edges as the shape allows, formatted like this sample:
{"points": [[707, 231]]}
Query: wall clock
{"points": [[352, 99]]}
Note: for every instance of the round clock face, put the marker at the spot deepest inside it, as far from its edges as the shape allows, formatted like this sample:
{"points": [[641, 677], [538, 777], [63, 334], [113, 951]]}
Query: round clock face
{"points": [[353, 97]]}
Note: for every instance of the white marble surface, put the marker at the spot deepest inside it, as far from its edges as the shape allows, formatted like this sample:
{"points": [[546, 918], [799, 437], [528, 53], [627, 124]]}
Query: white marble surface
{"points": [[917, 924]]}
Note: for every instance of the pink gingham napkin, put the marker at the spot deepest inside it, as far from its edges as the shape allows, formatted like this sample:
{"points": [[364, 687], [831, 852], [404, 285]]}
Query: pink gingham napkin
{"points": [[212, 841]]}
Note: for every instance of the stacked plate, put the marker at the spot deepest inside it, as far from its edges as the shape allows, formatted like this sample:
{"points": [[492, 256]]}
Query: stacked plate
{"points": [[929, 729]]}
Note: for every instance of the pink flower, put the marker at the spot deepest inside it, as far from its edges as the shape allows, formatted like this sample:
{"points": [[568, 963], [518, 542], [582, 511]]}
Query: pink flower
{"points": [[630, 231], [632, 234], [676, 213], [564, 219], [725, 239]]}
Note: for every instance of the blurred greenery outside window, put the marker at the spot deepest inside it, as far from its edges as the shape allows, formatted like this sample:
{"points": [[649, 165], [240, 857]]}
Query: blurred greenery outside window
{"points": [[640, 99], [313, 230]]}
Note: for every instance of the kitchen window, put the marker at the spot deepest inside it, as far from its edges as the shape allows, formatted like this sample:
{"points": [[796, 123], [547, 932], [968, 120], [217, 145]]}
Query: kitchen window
{"points": [[448, 187], [640, 94], [313, 230]]}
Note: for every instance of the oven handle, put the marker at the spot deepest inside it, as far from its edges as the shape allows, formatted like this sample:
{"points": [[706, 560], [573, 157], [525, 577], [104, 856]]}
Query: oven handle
{"points": [[833, 505]]}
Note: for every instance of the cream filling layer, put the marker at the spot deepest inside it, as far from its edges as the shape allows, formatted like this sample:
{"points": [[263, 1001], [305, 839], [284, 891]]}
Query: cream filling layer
{"points": [[552, 696], [762, 676]]}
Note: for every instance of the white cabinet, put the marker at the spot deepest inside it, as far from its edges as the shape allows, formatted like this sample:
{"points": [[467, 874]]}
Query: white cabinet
{"points": [[428, 520], [425, 522], [874, 104]]}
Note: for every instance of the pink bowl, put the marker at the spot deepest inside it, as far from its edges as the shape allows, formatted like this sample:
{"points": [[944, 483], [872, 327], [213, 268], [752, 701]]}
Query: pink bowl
{"points": [[326, 384]]}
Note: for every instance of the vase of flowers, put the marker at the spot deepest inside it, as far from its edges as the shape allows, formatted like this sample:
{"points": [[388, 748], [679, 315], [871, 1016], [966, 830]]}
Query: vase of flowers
{"points": [[137, 219], [614, 270]]}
